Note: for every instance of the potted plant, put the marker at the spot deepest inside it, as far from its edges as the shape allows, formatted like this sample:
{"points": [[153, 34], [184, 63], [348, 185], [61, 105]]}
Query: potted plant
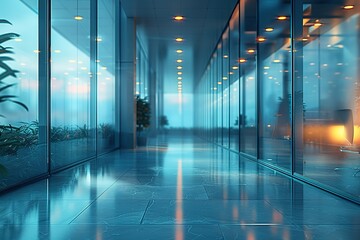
{"points": [[142, 120], [7, 71]]}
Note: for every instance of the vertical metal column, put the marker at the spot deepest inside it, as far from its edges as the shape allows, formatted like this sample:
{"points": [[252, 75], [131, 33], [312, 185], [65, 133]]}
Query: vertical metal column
{"points": [[44, 77], [93, 70]]}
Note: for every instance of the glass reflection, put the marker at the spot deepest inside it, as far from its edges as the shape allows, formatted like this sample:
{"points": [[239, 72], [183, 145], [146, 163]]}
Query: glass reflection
{"points": [[72, 130], [275, 81], [22, 148], [330, 109]]}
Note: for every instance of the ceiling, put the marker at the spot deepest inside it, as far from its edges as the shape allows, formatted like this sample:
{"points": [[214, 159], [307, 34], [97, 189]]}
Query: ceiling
{"points": [[202, 28]]}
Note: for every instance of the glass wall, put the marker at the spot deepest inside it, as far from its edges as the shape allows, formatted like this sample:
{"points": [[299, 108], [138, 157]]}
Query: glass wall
{"points": [[248, 80], [106, 75], [72, 77], [298, 89], [57, 106], [274, 76], [22, 149], [226, 88], [234, 80], [330, 90]]}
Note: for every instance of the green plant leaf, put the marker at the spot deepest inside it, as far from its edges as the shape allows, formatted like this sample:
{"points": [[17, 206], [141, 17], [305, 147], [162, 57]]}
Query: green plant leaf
{"points": [[21, 104], [6, 87], [5, 21], [8, 73], [8, 36]]}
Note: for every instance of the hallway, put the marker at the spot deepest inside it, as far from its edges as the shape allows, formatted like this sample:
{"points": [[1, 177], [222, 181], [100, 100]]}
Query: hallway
{"points": [[177, 188]]}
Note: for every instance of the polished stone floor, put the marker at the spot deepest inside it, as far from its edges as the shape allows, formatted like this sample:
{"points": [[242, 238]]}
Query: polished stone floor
{"points": [[177, 188]]}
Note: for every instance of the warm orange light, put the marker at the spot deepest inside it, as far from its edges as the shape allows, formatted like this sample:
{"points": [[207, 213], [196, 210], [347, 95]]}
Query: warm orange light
{"points": [[269, 29], [235, 67], [242, 60], [78, 18], [261, 39], [281, 18], [179, 18], [179, 51], [219, 83], [347, 7], [179, 61], [304, 39], [317, 24], [250, 51], [179, 39]]}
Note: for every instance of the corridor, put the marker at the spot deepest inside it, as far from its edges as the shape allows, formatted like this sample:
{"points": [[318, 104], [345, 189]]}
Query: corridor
{"points": [[179, 187]]}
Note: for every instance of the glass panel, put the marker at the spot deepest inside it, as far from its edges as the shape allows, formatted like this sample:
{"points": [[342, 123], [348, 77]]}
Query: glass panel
{"points": [[247, 81], [219, 94], [331, 93], [22, 153], [72, 137], [106, 75], [225, 86], [275, 81], [234, 80]]}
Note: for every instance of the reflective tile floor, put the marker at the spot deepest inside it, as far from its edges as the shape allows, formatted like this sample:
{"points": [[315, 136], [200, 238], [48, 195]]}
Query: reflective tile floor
{"points": [[177, 188]]}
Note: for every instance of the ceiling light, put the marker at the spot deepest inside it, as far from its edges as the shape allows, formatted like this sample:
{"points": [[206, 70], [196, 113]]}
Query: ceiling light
{"points": [[179, 18], [261, 39], [281, 18], [250, 51], [179, 78], [266, 67], [235, 67], [276, 61], [269, 29], [57, 51], [179, 73], [348, 7], [179, 61], [179, 82], [304, 39], [242, 60], [219, 83], [78, 18], [99, 39], [225, 78], [317, 24], [179, 67], [226, 56], [179, 39], [36, 51], [179, 51]]}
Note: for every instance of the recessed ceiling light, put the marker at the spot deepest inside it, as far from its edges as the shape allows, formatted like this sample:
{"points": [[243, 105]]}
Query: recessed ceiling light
{"points": [[179, 61], [179, 73], [179, 18], [78, 18], [250, 51], [57, 51], [226, 56], [179, 39], [347, 7], [99, 39], [179, 51], [36, 51], [269, 29], [281, 18], [235, 67], [242, 60], [179, 78], [261, 39], [276, 61]]}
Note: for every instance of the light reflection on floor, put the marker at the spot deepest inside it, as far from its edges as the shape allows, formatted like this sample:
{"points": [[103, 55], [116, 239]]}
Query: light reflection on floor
{"points": [[177, 188]]}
